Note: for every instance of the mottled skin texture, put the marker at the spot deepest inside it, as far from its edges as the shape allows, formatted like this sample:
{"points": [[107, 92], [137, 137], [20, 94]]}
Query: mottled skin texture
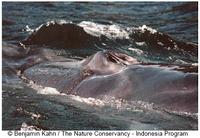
{"points": [[110, 73]]}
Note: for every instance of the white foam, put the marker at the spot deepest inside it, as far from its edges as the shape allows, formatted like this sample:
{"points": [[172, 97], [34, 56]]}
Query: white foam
{"points": [[105, 102], [52, 22], [44, 90], [28, 29], [26, 127], [49, 90], [58, 22], [146, 28], [140, 43], [194, 64], [186, 114], [160, 43], [90, 101], [110, 31]]}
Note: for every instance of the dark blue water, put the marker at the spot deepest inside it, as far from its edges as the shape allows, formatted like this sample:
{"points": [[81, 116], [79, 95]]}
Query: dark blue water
{"points": [[164, 16], [152, 32]]}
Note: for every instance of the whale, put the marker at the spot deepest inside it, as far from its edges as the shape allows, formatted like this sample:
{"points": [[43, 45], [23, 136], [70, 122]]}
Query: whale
{"points": [[114, 74]]}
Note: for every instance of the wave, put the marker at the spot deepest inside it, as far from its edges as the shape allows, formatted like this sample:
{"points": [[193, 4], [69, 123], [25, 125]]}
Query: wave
{"points": [[86, 77], [112, 107], [158, 40], [112, 102], [60, 33], [111, 72], [95, 36], [115, 74], [86, 32], [40, 104]]}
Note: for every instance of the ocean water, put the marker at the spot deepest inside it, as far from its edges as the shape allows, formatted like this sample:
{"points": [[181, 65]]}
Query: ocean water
{"points": [[48, 37]]}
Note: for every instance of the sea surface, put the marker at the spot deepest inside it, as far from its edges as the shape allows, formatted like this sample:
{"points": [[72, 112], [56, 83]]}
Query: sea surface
{"points": [[151, 32]]}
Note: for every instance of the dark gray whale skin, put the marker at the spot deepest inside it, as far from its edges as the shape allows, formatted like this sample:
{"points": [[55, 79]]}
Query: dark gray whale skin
{"points": [[109, 73]]}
